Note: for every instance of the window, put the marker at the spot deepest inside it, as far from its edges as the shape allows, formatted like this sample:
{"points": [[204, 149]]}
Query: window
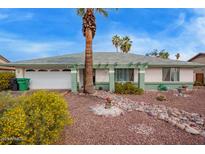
{"points": [[124, 75], [66, 70], [42, 70], [170, 74], [55, 70], [30, 70]]}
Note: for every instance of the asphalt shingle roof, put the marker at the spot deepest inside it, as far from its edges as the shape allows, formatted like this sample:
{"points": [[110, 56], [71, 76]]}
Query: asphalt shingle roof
{"points": [[106, 58]]}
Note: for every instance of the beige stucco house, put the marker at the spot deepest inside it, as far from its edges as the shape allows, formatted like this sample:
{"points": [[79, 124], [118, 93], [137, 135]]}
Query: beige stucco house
{"points": [[199, 73], [66, 71], [3, 60]]}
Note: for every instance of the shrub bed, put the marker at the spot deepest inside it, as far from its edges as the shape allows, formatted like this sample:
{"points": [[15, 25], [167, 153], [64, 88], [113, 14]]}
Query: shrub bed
{"points": [[127, 88], [38, 118], [5, 79]]}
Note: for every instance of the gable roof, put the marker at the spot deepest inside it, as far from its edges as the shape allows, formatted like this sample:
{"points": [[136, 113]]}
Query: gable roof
{"points": [[4, 59], [107, 58], [196, 56]]}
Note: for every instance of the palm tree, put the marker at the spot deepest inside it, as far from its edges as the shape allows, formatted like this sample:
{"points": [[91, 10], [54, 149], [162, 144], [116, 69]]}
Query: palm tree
{"points": [[164, 54], [153, 53], [89, 29], [116, 41], [177, 56], [126, 44]]}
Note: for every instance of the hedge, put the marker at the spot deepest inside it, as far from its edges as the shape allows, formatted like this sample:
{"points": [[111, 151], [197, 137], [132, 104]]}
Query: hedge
{"points": [[5, 79], [37, 118]]}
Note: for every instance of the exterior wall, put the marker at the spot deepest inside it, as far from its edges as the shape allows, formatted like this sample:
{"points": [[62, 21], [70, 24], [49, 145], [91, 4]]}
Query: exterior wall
{"points": [[102, 79], [153, 78], [153, 75], [198, 70], [2, 61], [135, 75], [102, 75], [169, 85], [186, 75], [199, 59], [20, 72]]}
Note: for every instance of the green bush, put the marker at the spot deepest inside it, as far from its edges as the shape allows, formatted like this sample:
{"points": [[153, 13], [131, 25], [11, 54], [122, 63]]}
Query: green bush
{"points": [[119, 88], [128, 88], [38, 118], [4, 80], [162, 87]]}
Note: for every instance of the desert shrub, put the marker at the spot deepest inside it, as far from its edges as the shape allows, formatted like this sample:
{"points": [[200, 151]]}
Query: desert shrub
{"points": [[119, 88], [161, 98], [198, 83], [36, 118], [128, 88], [6, 101], [12, 120], [13, 126], [5, 79], [47, 114]]}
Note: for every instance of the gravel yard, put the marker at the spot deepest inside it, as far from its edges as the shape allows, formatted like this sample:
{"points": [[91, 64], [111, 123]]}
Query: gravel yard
{"points": [[132, 127]]}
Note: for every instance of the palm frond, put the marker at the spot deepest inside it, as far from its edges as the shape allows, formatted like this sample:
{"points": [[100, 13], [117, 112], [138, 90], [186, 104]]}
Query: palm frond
{"points": [[81, 11], [102, 11]]}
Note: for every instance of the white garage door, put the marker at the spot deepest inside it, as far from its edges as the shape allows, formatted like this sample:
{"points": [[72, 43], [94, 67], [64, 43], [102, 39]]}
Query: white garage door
{"points": [[49, 80]]}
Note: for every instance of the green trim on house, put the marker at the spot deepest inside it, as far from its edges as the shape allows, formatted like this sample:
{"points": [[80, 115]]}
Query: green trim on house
{"points": [[170, 85], [103, 85], [74, 83], [141, 77], [112, 79]]}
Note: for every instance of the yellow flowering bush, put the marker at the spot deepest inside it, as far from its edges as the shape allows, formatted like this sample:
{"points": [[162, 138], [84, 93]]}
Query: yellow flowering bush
{"points": [[36, 118], [4, 80], [47, 114]]}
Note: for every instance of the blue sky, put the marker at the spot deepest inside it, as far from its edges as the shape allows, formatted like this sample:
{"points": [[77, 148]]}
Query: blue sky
{"points": [[34, 33]]}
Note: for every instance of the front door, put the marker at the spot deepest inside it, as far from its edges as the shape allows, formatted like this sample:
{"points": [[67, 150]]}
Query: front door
{"points": [[200, 78]]}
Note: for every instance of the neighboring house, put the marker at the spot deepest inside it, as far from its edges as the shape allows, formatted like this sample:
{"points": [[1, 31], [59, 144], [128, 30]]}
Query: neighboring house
{"points": [[66, 72], [3, 60], [199, 73]]}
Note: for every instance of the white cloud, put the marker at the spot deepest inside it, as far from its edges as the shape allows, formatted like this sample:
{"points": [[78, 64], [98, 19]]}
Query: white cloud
{"points": [[33, 49], [189, 42]]}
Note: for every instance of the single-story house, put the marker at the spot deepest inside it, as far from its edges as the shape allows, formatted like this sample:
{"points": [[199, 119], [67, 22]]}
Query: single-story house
{"points": [[66, 72], [3, 60], [199, 73]]}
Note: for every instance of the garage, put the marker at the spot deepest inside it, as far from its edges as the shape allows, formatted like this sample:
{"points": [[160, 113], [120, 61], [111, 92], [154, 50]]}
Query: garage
{"points": [[49, 79]]}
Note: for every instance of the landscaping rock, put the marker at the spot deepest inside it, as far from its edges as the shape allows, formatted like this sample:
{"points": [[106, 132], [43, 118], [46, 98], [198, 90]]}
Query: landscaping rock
{"points": [[192, 130], [181, 126], [190, 122], [102, 111]]}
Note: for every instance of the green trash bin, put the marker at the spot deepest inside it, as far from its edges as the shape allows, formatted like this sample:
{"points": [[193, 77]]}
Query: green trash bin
{"points": [[23, 83]]}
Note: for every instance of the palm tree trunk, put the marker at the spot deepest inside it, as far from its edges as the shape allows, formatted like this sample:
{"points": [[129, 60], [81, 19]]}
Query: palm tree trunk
{"points": [[88, 82]]}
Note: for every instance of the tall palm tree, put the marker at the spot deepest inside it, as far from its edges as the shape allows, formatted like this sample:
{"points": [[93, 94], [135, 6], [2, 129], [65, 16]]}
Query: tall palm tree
{"points": [[177, 56], [116, 41], [89, 29], [126, 44]]}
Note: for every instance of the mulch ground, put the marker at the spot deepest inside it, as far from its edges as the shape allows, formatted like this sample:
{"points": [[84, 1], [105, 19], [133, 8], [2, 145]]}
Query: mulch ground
{"points": [[92, 129]]}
